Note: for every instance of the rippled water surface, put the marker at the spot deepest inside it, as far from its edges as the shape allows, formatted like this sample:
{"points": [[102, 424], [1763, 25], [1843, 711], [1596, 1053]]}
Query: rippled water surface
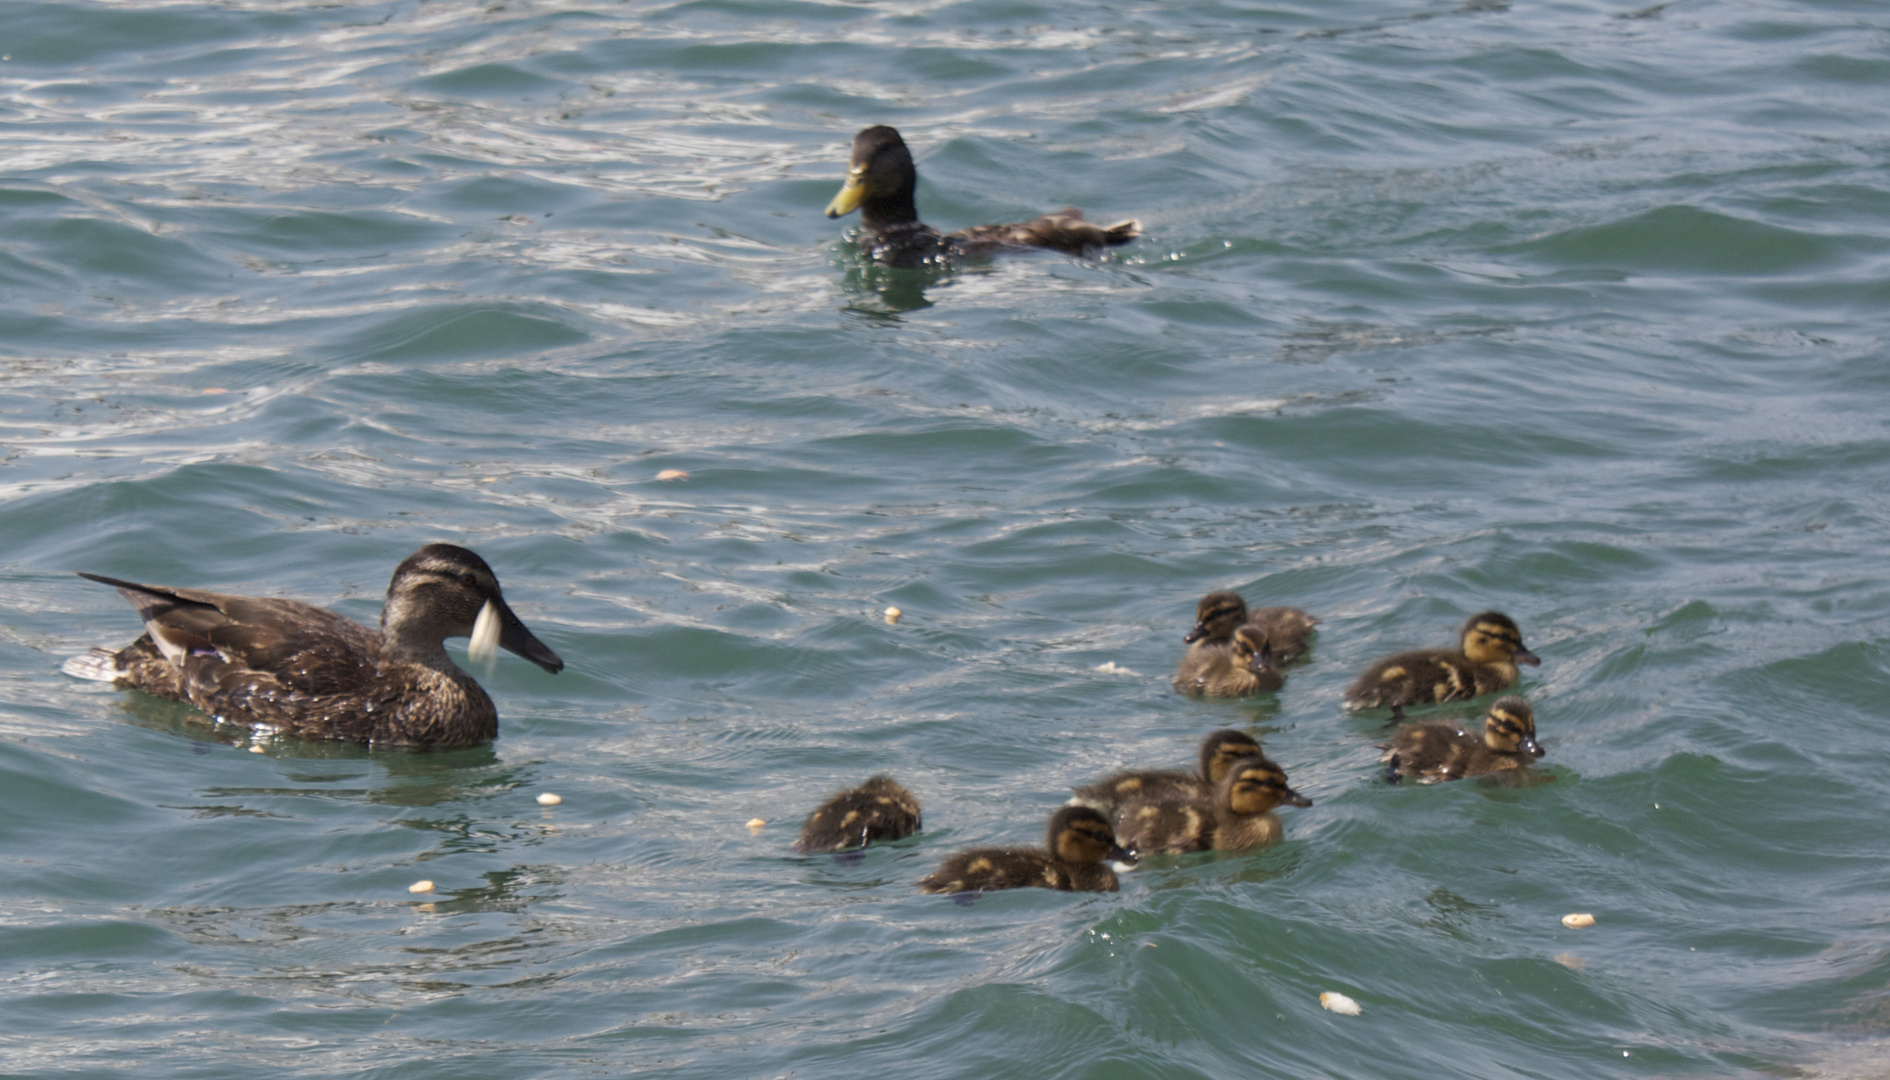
{"points": [[1574, 310]]}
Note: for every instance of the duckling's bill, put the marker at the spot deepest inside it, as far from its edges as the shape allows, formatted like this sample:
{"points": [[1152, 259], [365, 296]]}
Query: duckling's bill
{"points": [[852, 193]]}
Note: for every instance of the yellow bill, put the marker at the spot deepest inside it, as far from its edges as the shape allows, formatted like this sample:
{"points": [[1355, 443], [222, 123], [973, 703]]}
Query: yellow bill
{"points": [[852, 194]]}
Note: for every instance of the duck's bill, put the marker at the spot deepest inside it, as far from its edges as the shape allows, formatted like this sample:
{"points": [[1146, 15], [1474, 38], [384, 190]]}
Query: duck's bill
{"points": [[1524, 656], [1194, 635], [852, 194], [1531, 746], [1294, 798], [514, 638], [1122, 855]]}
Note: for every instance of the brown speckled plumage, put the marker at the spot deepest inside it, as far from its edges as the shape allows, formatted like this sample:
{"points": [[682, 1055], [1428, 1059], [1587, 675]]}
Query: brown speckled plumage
{"points": [[879, 809], [881, 181], [1080, 841], [1238, 814], [1436, 750], [1219, 751], [1490, 648], [1244, 668], [305, 671]]}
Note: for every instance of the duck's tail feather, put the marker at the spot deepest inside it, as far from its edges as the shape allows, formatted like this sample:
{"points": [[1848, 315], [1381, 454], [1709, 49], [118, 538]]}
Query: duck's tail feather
{"points": [[99, 665]]}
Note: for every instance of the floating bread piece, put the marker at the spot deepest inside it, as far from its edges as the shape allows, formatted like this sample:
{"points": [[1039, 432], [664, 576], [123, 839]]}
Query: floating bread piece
{"points": [[755, 824], [421, 886], [1333, 1001], [1578, 920], [548, 799], [672, 474], [892, 615]]}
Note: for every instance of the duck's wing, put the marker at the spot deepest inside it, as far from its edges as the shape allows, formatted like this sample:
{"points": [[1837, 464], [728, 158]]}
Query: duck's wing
{"points": [[1065, 231], [307, 649]]}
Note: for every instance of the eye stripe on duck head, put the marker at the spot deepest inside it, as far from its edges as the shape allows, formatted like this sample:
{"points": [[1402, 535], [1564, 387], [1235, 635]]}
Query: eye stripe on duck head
{"points": [[1256, 785], [1217, 615], [1220, 750]]}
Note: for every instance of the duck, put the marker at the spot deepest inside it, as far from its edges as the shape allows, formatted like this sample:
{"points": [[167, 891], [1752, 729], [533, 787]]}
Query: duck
{"points": [[305, 671], [1434, 750], [1236, 816], [1490, 647], [1287, 629], [880, 184], [1081, 844], [1219, 751], [1242, 669], [879, 809]]}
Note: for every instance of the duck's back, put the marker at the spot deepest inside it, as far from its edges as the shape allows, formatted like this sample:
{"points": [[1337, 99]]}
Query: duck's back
{"points": [[1288, 630], [1111, 792], [1170, 827], [1431, 751], [1066, 231], [879, 809], [1426, 676], [985, 869]]}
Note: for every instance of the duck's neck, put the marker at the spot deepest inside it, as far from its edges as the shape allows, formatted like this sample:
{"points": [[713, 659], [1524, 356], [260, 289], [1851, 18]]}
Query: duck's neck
{"points": [[413, 641], [890, 211]]}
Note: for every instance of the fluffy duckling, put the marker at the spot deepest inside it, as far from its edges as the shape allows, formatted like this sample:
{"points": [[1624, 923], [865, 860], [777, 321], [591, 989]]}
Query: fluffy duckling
{"points": [[305, 671], [1435, 750], [1491, 647], [1080, 843], [879, 809], [1238, 815], [1244, 668], [1220, 613], [1219, 751], [880, 184]]}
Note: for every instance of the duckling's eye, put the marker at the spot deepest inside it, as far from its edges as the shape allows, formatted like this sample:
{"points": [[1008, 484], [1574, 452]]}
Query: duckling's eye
{"points": [[467, 579]]}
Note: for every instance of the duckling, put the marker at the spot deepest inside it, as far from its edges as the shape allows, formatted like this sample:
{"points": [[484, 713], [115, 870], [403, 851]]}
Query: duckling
{"points": [[1080, 842], [1435, 750], [1491, 647], [1244, 668], [1238, 815], [880, 184], [304, 671], [1220, 613], [879, 809], [1219, 751]]}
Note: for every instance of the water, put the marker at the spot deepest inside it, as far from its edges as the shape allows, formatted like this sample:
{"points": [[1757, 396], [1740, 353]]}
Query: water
{"points": [[1573, 310]]}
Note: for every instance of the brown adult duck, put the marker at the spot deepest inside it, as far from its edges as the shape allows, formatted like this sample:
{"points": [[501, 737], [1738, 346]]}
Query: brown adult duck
{"points": [[1435, 750], [1490, 647], [880, 184], [1237, 815], [305, 671], [1081, 843], [879, 809], [1219, 751]]}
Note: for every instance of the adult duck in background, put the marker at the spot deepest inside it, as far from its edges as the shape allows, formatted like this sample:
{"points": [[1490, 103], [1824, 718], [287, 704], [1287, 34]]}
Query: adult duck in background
{"points": [[1490, 647], [306, 671], [880, 184], [1076, 860], [879, 809], [1434, 750]]}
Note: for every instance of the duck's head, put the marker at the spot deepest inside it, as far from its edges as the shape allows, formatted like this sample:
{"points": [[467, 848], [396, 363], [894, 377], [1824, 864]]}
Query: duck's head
{"points": [[1255, 785], [444, 591], [1511, 727], [880, 177], [1079, 834], [1220, 750], [1216, 616], [1492, 638], [1252, 649]]}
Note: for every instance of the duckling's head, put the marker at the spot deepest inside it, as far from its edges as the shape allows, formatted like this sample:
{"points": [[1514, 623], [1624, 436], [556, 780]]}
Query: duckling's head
{"points": [[1220, 750], [1252, 649], [1511, 727], [444, 591], [880, 177], [1255, 785], [1492, 638], [1216, 616], [1078, 834]]}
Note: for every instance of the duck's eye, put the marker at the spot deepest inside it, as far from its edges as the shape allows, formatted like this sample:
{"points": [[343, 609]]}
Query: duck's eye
{"points": [[467, 579]]}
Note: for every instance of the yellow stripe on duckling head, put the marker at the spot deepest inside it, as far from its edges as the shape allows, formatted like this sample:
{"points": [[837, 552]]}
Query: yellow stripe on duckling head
{"points": [[852, 193]]}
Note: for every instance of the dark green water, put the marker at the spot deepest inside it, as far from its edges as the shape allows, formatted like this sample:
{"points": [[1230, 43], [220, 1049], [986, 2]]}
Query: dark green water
{"points": [[1574, 310]]}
